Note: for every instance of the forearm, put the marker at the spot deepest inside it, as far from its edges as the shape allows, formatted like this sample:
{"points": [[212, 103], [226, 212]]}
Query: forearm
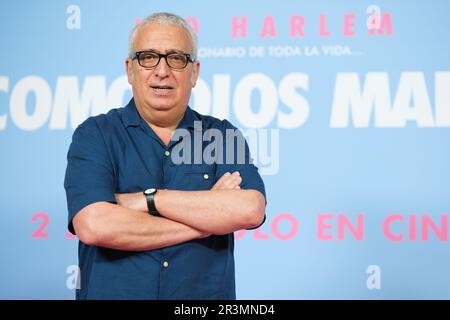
{"points": [[223, 209], [213, 211], [112, 226]]}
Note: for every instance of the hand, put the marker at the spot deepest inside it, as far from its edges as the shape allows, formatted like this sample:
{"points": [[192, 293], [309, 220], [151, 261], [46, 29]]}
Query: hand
{"points": [[134, 201], [228, 181]]}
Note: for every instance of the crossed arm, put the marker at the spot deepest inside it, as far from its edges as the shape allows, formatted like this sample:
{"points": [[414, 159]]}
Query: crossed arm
{"points": [[186, 215]]}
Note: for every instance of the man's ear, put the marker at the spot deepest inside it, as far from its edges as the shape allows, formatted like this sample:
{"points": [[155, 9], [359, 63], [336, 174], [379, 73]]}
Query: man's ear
{"points": [[129, 69], [195, 72]]}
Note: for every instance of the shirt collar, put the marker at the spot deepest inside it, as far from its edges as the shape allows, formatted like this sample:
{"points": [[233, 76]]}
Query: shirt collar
{"points": [[188, 120], [131, 117]]}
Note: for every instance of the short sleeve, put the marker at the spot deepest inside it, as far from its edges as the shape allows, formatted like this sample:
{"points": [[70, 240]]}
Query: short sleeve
{"points": [[236, 157], [89, 174]]}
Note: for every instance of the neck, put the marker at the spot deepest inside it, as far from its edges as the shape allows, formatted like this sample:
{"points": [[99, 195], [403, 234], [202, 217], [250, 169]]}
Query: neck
{"points": [[164, 133], [164, 129], [163, 123]]}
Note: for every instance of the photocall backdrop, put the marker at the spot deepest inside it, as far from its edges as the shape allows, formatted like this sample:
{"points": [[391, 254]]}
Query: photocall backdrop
{"points": [[345, 104]]}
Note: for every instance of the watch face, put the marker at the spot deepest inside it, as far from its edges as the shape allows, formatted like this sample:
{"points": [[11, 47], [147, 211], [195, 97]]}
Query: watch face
{"points": [[150, 191]]}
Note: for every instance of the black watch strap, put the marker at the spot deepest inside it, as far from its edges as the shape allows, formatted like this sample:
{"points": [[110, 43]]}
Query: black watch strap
{"points": [[150, 196]]}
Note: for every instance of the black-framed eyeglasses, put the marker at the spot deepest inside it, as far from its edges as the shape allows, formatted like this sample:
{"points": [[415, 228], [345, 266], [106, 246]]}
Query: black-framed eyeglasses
{"points": [[150, 59]]}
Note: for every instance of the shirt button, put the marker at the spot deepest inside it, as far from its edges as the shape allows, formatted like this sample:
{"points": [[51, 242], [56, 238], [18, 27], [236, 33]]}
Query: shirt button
{"points": [[206, 176], [167, 153], [165, 264]]}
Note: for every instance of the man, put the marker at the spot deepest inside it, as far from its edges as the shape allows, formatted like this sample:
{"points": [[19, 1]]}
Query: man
{"points": [[151, 227]]}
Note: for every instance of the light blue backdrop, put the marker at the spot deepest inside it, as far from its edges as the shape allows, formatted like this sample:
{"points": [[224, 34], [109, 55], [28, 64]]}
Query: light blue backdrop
{"points": [[362, 132]]}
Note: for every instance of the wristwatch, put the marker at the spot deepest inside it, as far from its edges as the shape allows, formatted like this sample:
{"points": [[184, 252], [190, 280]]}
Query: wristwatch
{"points": [[150, 196]]}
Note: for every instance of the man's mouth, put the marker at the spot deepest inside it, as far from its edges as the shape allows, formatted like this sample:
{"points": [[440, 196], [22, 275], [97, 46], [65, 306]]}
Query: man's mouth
{"points": [[161, 89]]}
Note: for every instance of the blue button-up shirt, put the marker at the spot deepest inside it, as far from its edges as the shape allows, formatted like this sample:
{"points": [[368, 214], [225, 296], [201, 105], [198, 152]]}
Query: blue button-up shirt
{"points": [[119, 153]]}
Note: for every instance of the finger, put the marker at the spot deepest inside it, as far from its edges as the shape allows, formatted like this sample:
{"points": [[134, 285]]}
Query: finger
{"points": [[228, 182], [232, 182], [219, 183]]}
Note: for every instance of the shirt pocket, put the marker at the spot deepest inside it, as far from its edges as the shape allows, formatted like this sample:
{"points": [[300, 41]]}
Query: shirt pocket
{"points": [[198, 176]]}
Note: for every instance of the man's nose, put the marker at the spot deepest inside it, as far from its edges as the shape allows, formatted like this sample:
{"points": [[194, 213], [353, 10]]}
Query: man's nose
{"points": [[162, 69]]}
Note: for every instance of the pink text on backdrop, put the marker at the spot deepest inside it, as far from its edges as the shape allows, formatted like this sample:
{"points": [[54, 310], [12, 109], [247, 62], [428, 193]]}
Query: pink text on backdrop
{"points": [[298, 27], [409, 225], [343, 223], [258, 234]]}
